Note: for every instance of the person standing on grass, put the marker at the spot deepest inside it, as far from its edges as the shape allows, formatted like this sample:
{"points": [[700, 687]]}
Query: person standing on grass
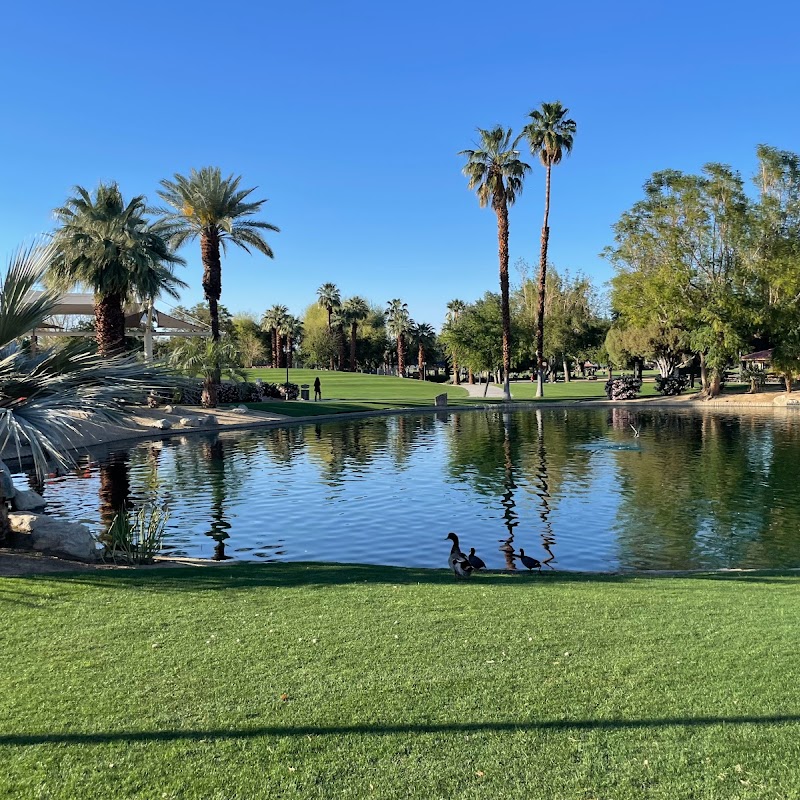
{"points": [[317, 390]]}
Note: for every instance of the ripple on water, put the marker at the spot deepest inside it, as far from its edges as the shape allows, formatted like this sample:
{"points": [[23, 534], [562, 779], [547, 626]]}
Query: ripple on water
{"points": [[570, 487]]}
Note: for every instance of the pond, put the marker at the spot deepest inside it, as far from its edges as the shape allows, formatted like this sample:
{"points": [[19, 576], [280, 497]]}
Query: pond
{"points": [[620, 488]]}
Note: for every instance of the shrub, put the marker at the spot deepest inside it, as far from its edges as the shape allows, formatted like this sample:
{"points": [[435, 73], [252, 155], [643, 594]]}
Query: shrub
{"points": [[625, 387], [137, 535], [672, 385]]}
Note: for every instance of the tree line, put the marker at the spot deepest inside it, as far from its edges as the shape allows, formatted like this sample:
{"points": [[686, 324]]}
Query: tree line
{"points": [[705, 271]]}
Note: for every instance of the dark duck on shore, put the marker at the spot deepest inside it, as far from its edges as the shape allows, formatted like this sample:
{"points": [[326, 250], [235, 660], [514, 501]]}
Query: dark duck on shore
{"points": [[530, 563], [457, 561], [476, 561]]}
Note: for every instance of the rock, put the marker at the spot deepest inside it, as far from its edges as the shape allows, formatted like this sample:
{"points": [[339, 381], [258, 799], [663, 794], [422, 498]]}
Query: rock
{"points": [[168, 409], [28, 501], [7, 489], [54, 535], [440, 400], [240, 410], [192, 422], [211, 421], [162, 424]]}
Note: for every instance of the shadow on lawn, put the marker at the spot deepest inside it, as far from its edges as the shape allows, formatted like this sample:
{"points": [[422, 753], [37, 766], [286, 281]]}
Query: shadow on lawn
{"points": [[313, 575], [26, 739]]}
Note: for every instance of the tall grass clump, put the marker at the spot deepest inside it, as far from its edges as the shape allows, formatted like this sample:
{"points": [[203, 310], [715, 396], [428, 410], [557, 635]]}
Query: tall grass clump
{"points": [[136, 535]]}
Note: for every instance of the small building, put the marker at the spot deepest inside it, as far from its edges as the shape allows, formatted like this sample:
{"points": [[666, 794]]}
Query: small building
{"points": [[761, 359]]}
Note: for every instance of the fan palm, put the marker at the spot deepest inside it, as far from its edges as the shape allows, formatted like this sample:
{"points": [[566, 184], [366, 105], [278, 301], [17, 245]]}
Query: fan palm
{"points": [[209, 360], [354, 311], [496, 174], [424, 336], [293, 330], [550, 135], [43, 398], [273, 320], [454, 308], [329, 298], [214, 208], [398, 323], [108, 245]]}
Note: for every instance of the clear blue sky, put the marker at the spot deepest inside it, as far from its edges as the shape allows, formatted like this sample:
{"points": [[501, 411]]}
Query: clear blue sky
{"points": [[348, 117]]}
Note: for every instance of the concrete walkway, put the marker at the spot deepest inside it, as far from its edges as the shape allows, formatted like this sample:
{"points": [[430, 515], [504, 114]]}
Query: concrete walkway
{"points": [[476, 390]]}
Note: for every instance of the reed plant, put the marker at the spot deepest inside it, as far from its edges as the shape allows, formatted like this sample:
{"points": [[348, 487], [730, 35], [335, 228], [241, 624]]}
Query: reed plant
{"points": [[136, 535]]}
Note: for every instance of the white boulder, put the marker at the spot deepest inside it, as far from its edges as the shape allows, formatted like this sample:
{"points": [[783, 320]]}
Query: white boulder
{"points": [[162, 424], [54, 535]]}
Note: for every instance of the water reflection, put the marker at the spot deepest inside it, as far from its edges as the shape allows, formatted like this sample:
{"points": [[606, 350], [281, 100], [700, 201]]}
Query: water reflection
{"points": [[691, 491]]}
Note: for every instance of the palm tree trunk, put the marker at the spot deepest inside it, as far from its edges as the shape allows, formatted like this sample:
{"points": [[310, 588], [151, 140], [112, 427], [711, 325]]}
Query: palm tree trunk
{"points": [[212, 276], [501, 209], [290, 353], [208, 397], [109, 324], [421, 362], [542, 278], [281, 356], [401, 356], [340, 345], [275, 348], [566, 371], [353, 334], [456, 371]]}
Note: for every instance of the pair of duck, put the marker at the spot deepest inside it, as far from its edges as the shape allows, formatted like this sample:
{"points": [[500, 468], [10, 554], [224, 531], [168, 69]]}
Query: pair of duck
{"points": [[463, 566]]}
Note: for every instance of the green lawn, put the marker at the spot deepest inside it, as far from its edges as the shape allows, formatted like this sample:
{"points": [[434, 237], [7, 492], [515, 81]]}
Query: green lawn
{"points": [[577, 390], [359, 386], [315, 681]]}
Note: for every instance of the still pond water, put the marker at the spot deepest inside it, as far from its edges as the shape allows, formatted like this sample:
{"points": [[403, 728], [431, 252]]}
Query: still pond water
{"points": [[576, 489]]}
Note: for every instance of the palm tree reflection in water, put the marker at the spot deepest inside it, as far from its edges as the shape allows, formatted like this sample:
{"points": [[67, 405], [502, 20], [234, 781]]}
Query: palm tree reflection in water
{"points": [[510, 516], [543, 492], [214, 453]]}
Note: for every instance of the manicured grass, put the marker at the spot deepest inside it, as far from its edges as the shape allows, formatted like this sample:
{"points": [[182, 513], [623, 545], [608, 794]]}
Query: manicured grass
{"points": [[358, 386], [315, 681], [577, 390]]}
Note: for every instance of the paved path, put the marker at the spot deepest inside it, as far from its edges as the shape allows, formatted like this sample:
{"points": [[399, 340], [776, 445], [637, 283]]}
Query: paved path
{"points": [[476, 390]]}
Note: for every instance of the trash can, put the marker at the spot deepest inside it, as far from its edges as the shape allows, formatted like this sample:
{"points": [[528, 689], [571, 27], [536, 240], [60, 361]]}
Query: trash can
{"points": [[304, 391]]}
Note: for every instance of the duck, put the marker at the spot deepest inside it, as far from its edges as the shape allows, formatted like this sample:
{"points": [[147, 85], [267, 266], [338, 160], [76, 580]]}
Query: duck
{"points": [[530, 563], [476, 561], [457, 561]]}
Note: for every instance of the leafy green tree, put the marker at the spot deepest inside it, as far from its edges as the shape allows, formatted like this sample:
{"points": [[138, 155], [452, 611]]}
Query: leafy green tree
{"points": [[496, 174], [550, 135], [398, 323], [319, 344], [216, 210], [679, 257], [249, 339], [109, 246]]}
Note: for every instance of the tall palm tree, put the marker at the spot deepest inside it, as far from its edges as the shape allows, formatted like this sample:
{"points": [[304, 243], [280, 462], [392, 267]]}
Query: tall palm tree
{"points": [[496, 173], [109, 246], [398, 323], [550, 135], [329, 298], [454, 308], [424, 336], [273, 320], [294, 335], [354, 311], [212, 207]]}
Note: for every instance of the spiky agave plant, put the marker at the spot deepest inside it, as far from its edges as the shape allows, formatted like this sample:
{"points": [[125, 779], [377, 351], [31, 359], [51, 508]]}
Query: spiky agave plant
{"points": [[45, 398]]}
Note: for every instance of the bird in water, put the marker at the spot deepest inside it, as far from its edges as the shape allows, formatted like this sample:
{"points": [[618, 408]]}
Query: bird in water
{"points": [[476, 561], [530, 563], [457, 561]]}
